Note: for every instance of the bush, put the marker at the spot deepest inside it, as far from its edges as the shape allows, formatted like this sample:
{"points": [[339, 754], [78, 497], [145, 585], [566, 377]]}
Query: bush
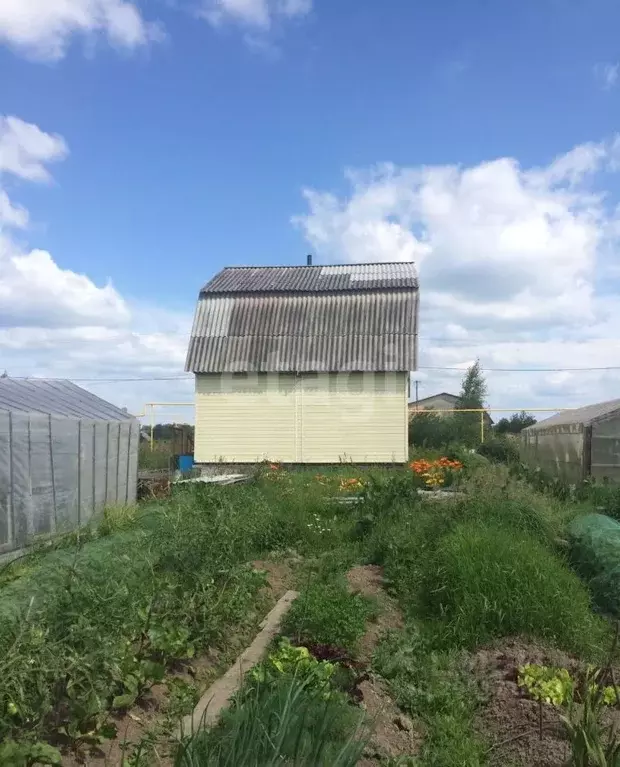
{"points": [[499, 450], [327, 613], [431, 430], [486, 582]]}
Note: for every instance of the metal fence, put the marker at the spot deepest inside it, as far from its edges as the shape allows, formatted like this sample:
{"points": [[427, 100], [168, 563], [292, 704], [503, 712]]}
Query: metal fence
{"points": [[55, 473]]}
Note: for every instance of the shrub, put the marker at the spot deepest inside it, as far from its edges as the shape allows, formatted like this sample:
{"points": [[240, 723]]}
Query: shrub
{"points": [[499, 450], [486, 582], [431, 430], [327, 613]]}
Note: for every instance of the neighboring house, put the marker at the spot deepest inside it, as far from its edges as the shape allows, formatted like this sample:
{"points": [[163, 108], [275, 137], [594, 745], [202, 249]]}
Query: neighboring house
{"points": [[442, 402], [304, 364], [64, 455]]}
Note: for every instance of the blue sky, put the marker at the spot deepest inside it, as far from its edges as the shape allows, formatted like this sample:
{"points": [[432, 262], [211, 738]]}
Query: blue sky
{"points": [[178, 137]]}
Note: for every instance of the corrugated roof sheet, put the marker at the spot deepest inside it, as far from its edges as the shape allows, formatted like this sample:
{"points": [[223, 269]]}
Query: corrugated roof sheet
{"points": [[56, 397], [288, 326], [269, 279], [582, 415]]}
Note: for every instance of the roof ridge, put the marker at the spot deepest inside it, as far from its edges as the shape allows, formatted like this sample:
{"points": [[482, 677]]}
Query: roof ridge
{"points": [[319, 266]]}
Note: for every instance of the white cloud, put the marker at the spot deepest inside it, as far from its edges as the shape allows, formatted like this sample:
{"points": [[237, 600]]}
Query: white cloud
{"points": [[12, 215], [42, 29], [511, 260], [25, 149], [259, 14], [607, 74], [35, 291], [58, 323]]}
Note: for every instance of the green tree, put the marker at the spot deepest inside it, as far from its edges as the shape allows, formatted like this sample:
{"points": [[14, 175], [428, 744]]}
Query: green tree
{"points": [[472, 396], [515, 424]]}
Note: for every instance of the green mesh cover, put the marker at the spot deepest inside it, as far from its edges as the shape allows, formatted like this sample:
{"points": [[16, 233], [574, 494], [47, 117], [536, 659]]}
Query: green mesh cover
{"points": [[595, 554]]}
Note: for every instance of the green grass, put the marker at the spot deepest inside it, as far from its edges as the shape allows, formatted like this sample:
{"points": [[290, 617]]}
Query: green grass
{"points": [[100, 615], [285, 723], [435, 689], [327, 613], [485, 582]]}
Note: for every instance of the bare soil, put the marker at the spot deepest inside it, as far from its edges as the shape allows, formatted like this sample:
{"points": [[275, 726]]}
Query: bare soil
{"points": [[509, 718], [393, 734]]}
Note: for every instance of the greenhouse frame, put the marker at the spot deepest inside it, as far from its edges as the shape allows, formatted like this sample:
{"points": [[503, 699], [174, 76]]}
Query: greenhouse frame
{"points": [[576, 444], [64, 455]]}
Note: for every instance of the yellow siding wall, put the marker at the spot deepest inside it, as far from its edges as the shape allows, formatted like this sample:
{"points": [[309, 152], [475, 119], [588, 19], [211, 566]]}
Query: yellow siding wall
{"points": [[311, 418], [243, 419], [357, 417]]}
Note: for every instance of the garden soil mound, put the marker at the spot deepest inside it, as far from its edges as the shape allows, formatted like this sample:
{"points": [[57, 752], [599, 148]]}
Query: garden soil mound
{"points": [[508, 718]]}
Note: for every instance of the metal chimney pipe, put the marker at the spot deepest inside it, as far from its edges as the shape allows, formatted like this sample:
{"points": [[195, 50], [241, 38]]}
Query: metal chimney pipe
{"points": [[309, 260]]}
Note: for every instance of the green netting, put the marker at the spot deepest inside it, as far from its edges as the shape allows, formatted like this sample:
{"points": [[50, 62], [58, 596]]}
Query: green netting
{"points": [[595, 554]]}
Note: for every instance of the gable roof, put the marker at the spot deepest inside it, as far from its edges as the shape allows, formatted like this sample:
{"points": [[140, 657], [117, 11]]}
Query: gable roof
{"points": [[56, 397], [582, 415], [452, 397], [356, 317]]}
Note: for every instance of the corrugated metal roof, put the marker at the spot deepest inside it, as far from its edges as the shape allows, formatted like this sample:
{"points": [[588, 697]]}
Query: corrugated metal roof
{"points": [[284, 330], [311, 279], [583, 415], [56, 397]]}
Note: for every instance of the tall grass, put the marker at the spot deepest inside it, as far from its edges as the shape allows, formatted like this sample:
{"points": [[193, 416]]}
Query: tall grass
{"points": [[485, 582]]}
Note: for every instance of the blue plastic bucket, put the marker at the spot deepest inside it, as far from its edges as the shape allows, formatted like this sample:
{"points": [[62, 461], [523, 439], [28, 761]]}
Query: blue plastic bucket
{"points": [[186, 463]]}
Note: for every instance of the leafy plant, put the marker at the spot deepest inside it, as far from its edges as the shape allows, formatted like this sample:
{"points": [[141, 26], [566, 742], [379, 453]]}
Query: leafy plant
{"points": [[546, 683], [294, 661], [26, 754]]}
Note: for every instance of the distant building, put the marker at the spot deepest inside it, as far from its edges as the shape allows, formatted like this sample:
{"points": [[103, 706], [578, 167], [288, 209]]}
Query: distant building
{"points": [[304, 364], [64, 455], [442, 402]]}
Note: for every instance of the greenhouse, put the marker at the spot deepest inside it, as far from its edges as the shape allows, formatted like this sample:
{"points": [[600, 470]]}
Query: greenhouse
{"points": [[576, 444], [64, 454]]}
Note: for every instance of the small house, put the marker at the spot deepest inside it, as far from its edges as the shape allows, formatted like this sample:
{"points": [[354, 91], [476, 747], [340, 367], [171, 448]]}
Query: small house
{"points": [[64, 455], [576, 444], [304, 364], [442, 403]]}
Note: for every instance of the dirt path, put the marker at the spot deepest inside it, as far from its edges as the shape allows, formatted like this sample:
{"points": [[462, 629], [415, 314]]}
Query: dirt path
{"points": [[393, 733]]}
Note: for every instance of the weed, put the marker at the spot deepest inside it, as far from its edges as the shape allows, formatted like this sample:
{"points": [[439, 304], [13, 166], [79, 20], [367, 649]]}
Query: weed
{"points": [[182, 698], [431, 686], [329, 614]]}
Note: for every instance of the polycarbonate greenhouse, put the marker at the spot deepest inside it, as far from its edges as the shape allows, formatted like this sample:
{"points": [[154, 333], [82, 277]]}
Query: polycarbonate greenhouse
{"points": [[577, 444], [64, 454]]}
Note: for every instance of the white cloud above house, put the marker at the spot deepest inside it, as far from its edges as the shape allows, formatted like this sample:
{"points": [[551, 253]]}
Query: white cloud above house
{"points": [[44, 29], [511, 263]]}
